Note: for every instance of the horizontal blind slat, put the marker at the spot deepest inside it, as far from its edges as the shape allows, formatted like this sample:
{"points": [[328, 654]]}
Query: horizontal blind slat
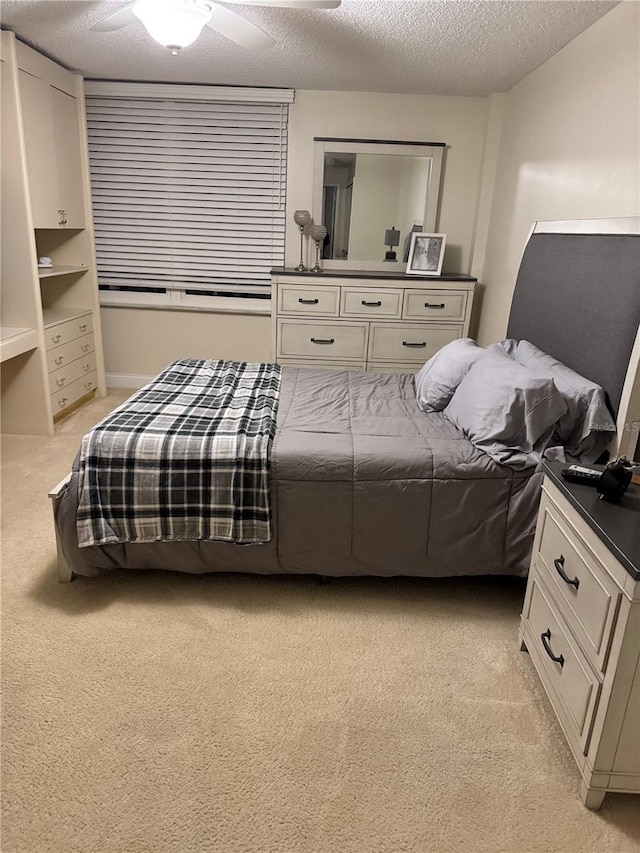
{"points": [[188, 194]]}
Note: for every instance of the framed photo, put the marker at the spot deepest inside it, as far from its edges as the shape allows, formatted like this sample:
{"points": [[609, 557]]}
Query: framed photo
{"points": [[426, 253]]}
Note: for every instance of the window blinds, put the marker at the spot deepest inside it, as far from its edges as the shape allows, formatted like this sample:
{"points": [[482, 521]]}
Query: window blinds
{"points": [[188, 194]]}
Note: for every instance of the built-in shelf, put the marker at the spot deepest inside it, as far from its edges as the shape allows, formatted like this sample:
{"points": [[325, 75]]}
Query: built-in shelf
{"points": [[15, 341], [48, 272], [56, 314]]}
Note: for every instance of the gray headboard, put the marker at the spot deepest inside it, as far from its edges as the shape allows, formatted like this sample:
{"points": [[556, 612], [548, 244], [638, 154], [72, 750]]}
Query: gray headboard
{"points": [[577, 297]]}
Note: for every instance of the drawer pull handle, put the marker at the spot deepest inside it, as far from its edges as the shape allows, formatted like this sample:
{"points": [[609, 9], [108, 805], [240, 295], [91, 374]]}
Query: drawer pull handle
{"points": [[59, 359], [85, 347], [62, 403], [545, 642], [559, 564], [88, 385], [60, 382], [323, 340], [412, 344], [56, 339], [86, 367], [434, 305], [83, 327], [371, 304], [308, 301]]}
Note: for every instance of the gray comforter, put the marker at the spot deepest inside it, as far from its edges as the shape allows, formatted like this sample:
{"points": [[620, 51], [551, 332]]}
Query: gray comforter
{"points": [[362, 482]]}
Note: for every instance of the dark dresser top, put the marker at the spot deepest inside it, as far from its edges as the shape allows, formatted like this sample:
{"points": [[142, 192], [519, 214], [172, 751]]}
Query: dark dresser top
{"points": [[616, 525], [382, 274]]}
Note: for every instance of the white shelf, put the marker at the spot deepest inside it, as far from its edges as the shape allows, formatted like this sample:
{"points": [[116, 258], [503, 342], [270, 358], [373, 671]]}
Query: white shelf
{"points": [[48, 272], [51, 316], [15, 341]]}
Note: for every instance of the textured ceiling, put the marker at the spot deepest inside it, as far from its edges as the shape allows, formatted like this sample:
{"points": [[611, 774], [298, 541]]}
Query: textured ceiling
{"points": [[450, 47]]}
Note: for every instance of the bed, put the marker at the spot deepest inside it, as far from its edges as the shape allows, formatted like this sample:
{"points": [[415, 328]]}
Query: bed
{"points": [[362, 481]]}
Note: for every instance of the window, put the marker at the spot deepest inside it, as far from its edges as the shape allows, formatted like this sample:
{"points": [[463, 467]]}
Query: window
{"points": [[188, 187]]}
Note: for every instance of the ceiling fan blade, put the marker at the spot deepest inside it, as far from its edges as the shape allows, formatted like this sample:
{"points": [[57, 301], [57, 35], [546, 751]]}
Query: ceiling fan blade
{"points": [[239, 30], [115, 21], [293, 4]]}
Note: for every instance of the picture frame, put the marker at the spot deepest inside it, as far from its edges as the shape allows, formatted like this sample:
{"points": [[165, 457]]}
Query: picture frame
{"points": [[426, 253]]}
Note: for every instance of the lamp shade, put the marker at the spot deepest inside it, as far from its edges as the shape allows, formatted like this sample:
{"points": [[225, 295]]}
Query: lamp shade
{"points": [[391, 237], [302, 218], [317, 232], [173, 23]]}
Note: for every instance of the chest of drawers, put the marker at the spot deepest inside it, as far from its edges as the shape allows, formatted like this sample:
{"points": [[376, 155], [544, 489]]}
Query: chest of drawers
{"points": [[365, 320], [581, 626], [71, 362]]}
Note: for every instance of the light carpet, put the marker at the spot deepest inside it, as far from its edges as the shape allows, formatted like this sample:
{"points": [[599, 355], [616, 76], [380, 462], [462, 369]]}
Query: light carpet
{"points": [[161, 713]]}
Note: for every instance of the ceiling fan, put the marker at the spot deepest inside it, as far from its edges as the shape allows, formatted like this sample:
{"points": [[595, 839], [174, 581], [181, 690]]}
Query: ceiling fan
{"points": [[178, 23]]}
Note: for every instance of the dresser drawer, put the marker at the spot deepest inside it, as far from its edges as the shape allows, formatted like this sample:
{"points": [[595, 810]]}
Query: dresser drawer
{"points": [[64, 398], [57, 334], [306, 300], [322, 341], [66, 353], [572, 685], [586, 593], [64, 376], [408, 342], [435, 305], [360, 302]]}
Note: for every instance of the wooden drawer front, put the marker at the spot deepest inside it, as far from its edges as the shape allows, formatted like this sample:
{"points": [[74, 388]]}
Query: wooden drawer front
{"points": [[572, 679], [303, 300], [61, 333], [408, 342], [435, 305], [66, 353], [589, 596], [64, 376], [370, 303], [322, 341], [64, 398]]}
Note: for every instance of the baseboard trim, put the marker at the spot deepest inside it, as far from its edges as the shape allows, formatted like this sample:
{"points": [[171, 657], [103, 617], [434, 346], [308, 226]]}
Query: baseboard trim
{"points": [[127, 380]]}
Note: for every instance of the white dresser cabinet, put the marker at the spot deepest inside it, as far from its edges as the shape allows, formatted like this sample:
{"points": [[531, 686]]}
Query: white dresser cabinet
{"points": [[366, 320], [52, 143], [581, 625], [50, 341]]}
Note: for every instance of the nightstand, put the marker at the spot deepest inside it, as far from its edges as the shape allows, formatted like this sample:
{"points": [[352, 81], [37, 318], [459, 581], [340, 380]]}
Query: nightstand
{"points": [[581, 626]]}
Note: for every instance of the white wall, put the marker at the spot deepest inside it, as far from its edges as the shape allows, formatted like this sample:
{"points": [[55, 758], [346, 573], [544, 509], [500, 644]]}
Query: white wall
{"points": [[569, 149], [142, 342], [376, 178]]}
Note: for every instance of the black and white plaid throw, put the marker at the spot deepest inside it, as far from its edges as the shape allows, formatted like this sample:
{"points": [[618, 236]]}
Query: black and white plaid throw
{"points": [[187, 457]]}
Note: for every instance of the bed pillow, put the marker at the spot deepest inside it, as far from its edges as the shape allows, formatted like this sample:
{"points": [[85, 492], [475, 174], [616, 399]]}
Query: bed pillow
{"points": [[506, 409], [588, 425], [509, 345], [439, 377]]}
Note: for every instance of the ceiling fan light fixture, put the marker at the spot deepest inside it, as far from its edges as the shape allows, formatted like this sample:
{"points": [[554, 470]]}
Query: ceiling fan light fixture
{"points": [[173, 23]]}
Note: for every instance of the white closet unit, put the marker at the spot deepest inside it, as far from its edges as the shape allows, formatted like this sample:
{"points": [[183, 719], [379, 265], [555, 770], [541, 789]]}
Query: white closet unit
{"points": [[50, 339]]}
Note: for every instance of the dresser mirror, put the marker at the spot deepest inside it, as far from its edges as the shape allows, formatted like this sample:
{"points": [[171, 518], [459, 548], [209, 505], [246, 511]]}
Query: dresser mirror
{"points": [[371, 195]]}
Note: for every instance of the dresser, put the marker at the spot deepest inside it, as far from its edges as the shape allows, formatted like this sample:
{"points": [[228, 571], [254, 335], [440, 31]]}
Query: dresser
{"points": [[71, 362], [581, 626], [376, 321]]}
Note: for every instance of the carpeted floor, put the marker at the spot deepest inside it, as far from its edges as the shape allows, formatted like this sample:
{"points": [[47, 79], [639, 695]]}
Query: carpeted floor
{"points": [[160, 713]]}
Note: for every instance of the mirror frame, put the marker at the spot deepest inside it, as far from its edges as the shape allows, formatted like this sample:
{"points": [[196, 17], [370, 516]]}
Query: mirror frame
{"points": [[324, 144]]}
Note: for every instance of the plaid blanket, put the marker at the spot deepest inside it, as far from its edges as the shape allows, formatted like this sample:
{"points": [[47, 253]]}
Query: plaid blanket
{"points": [[185, 458]]}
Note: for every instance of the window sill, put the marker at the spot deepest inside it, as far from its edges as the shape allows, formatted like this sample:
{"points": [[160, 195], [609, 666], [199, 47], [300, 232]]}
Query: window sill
{"points": [[213, 306]]}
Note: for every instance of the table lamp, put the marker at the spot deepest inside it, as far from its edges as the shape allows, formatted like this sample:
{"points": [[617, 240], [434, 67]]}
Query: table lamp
{"points": [[392, 239]]}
